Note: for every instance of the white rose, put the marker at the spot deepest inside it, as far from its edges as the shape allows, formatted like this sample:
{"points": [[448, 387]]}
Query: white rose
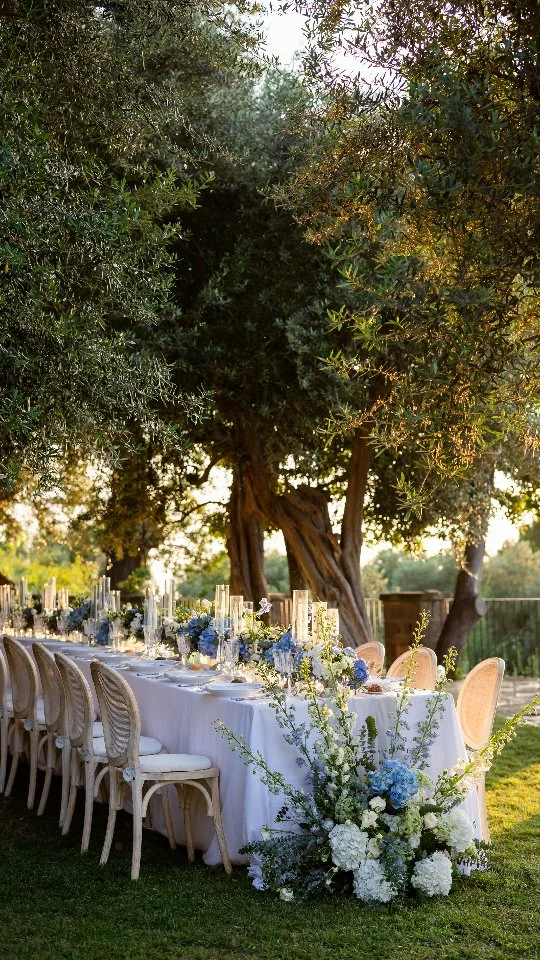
{"points": [[377, 803], [369, 819], [373, 848], [430, 821], [286, 894]]}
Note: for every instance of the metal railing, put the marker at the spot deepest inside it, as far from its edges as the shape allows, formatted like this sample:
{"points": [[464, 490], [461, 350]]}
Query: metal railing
{"points": [[511, 630]]}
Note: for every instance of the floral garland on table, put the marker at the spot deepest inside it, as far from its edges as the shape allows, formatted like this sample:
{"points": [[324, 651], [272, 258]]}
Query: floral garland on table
{"points": [[368, 824], [198, 627]]}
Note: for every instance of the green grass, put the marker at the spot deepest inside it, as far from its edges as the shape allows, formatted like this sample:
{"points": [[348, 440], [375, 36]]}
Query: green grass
{"points": [[56, 905]]}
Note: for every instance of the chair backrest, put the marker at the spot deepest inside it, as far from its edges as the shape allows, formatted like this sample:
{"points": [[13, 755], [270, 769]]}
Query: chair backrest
{"points": [[4, 682], [424, 675], [79, 702], [477, 701], [373, 654], [119, 715], [24, 679], [52, 688]]}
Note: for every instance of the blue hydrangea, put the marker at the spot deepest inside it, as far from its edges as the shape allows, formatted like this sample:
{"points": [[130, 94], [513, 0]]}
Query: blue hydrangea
{"points": [[102, 636], [206, 644], [245, 653], [285, 644], [396, 781], [349, 652], [360, 670], [77, 616]]}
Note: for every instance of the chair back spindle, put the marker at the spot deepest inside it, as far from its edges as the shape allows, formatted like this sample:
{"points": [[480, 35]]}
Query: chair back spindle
{"points": [[119, 715], [24, 679]]}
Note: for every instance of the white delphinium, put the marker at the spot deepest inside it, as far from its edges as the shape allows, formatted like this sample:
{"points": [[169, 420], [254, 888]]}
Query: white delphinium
{"points": [[433, 876], [456, 829], [348, 844], [370, 883]]}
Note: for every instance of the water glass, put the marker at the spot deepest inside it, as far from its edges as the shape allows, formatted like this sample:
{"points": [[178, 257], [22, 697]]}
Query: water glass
{"points": [[151, 640], [231, 650], [283, 662], [184, 647]]}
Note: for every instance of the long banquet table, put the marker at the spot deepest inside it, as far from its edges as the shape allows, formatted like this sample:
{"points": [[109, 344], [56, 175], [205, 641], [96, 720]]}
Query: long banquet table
{"points": [[182, 718]]}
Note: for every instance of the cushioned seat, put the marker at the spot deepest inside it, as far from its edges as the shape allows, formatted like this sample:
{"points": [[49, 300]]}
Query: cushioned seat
{"points": [[97, 729], [167, 762], [146, 745], [40, 707]]}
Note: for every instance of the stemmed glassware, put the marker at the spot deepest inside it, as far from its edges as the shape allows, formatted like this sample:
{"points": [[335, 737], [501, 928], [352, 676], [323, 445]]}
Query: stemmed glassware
{"points": [[184, 647], [151, 640], [231, 653], [90, 628], [115, 633], [283, 662]]}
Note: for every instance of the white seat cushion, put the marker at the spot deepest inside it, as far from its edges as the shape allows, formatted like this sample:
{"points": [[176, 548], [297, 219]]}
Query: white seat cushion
{"points": [[172, 762], [146, 745], [97, 729], [40, 707]]}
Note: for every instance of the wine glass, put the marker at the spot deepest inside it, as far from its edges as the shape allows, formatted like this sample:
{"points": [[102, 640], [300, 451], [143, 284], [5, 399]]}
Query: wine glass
{"points": [[151, 639], [231, 650], [283, 662], [184, 647]]}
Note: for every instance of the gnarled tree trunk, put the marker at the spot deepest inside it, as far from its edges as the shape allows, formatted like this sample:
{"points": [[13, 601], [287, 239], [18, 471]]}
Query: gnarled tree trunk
{"points": [[330, 566], [120, 568], [245, 544], [468, 607], [296, 579]]}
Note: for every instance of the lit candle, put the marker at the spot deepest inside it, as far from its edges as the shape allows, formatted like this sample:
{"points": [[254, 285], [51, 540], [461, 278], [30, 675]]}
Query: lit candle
{"points": [[236, 613], [300, 624]]}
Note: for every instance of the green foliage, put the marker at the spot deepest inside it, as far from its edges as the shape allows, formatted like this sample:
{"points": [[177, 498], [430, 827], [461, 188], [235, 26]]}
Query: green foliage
{"points": [[513, 572], [200, 578], [38, 565], [491, 916]]}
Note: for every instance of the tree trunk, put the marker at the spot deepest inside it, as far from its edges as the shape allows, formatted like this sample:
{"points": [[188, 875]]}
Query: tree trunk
{"points": [[467, 607], [296, 580], [325, 564], [120, 568], [245, 544]]}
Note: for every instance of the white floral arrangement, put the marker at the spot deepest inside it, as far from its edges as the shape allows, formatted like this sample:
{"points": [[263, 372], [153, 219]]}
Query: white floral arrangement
{"points": [[371, 825]]}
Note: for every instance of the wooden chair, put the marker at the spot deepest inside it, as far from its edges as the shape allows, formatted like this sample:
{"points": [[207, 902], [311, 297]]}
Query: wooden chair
{"points": [[54, 703], [28, 712], [88, 751], [424, 676], [6, 718], [373, 654], [476, 706], [150, 774]]}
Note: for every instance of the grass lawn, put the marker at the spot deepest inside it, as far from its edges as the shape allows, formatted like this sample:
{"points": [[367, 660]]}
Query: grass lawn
{"points": [[55, 905]]}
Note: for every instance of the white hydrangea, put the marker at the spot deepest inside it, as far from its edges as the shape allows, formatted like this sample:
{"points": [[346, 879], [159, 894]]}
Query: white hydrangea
{"points": [[370, 883], [430, 821], [433, 876], [377, 803], [456, 829], [348, 844]]}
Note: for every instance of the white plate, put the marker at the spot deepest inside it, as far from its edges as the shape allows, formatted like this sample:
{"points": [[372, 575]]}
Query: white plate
{"points": [[239, 691], [191, 678], [147, 666], [113, 658]]}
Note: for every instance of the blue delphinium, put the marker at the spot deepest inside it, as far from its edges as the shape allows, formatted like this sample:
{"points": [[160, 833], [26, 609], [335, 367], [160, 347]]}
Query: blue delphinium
{"points": [[360, 670], [395, 780]]}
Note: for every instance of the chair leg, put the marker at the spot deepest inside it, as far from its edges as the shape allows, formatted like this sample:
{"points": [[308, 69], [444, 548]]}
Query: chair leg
{"points": [[216, 804], [73, 781], [136, 793], [4, 734], [34, 750], [187, 796], [66, 767], [89, 777], [15, 753], [113, 807], [483, 810], [164, 793], [51, 757]]}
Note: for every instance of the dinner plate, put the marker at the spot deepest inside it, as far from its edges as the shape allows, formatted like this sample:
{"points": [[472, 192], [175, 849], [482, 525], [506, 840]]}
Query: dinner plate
{"points": [[147, 666], [191, 678], [239, 691]]}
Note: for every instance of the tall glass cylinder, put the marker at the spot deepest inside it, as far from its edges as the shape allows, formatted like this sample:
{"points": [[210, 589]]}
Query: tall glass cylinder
{"points": [[300, 616], [236, 608]]}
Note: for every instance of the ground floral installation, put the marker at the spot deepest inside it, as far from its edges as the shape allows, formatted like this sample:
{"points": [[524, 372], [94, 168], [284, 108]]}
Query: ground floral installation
{"points": [[368, 824]]}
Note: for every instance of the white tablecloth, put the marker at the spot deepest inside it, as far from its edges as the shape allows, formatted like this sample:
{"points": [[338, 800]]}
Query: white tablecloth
{"points": [[182, 719]]}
